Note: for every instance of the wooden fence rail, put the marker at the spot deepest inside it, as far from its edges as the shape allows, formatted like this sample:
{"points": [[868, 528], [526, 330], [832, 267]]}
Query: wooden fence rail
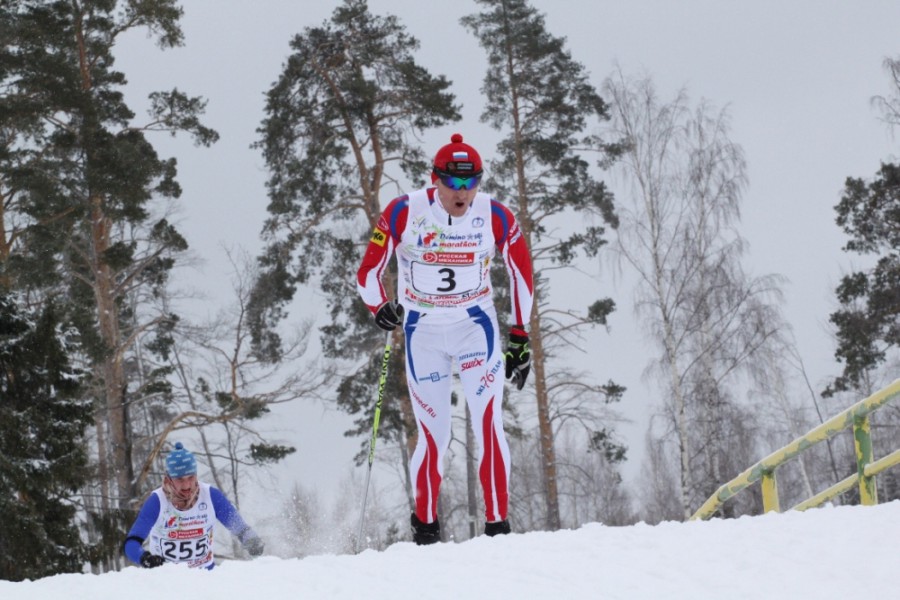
{"points": [[857, 417]]}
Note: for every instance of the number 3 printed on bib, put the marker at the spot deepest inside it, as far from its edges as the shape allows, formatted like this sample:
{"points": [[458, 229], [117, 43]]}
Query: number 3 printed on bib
{"points": [[443, 280]]}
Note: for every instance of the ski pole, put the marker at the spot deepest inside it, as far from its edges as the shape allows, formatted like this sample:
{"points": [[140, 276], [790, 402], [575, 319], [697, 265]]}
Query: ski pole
{"points": [[381, 382]]}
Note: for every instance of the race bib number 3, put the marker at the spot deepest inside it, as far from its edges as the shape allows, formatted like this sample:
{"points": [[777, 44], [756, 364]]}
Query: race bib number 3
{"points": [[444, 280]]}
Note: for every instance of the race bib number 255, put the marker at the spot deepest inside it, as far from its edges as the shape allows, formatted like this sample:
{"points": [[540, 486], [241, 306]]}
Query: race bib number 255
{"points": [[184, 550]]}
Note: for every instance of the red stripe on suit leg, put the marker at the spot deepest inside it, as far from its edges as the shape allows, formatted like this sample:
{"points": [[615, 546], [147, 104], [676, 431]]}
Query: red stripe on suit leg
{"points": [[428, 480], [493, 470]]}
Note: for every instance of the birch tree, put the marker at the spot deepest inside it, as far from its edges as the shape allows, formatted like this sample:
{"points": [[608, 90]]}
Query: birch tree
{"points": [[708, 317]]}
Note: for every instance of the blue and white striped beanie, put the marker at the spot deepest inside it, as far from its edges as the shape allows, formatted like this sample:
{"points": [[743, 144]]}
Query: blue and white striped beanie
{"points": [[180, 462]]}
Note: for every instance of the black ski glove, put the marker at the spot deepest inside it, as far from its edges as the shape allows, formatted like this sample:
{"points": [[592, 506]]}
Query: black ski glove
{"points": [[254, 546], [151, 561], [518, 356], [389, 315]]}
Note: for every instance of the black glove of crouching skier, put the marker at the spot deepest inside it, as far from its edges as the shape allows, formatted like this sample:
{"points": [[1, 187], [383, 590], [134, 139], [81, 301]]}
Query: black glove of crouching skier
{"points": [[150, 561], [389, 315], [518, 356], [252, 543], [254, 546]]}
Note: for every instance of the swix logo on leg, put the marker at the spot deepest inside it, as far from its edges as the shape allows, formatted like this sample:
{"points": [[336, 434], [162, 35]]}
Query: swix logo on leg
{"points": [[471, 364]]}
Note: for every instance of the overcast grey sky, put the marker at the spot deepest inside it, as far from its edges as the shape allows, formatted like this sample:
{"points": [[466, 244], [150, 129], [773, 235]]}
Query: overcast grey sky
{"points": [[796, 76]]}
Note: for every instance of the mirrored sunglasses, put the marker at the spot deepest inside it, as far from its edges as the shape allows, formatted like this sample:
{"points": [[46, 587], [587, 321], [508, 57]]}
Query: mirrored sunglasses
{"points": [[459, 183]]}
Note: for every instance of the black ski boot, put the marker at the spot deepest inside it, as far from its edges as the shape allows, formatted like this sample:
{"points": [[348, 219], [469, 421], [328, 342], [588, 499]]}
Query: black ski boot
{"points": [[425, 533], [498, 528]]}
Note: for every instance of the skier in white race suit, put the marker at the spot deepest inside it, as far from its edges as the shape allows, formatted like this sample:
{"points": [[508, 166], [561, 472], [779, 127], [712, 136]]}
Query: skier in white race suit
{"points": [[445, 238], [177, 520]]}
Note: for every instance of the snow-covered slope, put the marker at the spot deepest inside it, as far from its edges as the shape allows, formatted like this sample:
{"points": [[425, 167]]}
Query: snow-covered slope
{"points": [[834, 552]]}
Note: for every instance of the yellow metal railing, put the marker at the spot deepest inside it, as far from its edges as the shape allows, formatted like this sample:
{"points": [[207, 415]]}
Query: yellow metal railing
{"points": [[857, 417]]}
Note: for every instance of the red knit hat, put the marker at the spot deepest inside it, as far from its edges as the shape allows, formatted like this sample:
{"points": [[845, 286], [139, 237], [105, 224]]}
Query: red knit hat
{"points": [[456, 158]]}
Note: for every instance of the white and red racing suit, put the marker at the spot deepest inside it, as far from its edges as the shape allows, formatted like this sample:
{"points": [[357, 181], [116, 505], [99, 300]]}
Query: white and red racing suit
{"points": [[444, 280]]}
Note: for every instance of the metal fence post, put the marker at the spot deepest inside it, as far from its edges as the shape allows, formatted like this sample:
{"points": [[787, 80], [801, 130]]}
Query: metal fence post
{"points": [[769, 486], [862, 441]]}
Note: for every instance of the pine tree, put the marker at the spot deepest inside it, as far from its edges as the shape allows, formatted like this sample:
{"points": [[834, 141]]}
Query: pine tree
{"points": [[341, 125], [868, 322], [542, 101], [84, 194], [866, 325], [43, 464]]}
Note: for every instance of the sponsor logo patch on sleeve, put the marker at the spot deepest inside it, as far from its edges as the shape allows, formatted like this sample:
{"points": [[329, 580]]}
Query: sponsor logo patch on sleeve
{"points": [[378, 237]]}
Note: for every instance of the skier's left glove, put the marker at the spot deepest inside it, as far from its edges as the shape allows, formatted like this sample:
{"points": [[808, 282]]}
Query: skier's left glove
{"points": [[518, 356], [255, 546]]}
